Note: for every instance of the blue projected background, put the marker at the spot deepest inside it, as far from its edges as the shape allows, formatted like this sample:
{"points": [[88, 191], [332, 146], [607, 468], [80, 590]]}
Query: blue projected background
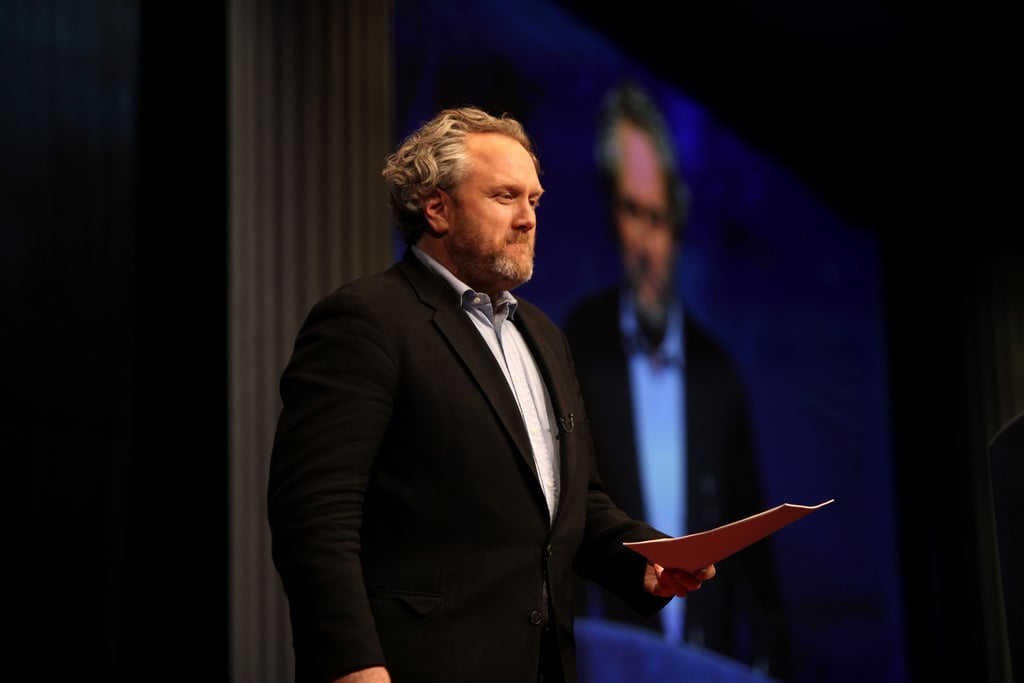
{"points": [[793, 291]]}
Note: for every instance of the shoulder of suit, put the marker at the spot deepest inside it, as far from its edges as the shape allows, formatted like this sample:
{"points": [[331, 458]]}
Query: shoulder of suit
{"points": [[531, 311]]}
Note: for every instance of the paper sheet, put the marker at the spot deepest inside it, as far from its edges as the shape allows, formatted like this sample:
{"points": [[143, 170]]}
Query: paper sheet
{"points": [[696, 551]]}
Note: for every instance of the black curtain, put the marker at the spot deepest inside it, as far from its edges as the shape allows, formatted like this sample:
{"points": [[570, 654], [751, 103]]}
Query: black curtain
{"points": [[113, 344]]}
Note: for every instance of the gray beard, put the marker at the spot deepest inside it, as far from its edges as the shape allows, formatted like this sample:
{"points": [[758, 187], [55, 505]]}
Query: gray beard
{"points": [[653, 321], [483, 272]]}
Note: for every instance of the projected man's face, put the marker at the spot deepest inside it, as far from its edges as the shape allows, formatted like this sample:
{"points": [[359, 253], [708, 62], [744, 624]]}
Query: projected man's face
{"points": [[643, 222]]}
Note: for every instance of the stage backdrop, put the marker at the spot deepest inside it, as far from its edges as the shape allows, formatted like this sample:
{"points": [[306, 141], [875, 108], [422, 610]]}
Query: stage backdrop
{"points": [[794, 292]]}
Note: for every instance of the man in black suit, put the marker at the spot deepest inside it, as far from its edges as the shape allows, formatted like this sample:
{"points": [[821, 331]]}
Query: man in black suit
{"points": [[668, 409], [432, 483]]}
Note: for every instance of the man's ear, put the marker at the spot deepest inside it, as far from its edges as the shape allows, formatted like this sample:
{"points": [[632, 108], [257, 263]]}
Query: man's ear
{"points": [[436, 208]]}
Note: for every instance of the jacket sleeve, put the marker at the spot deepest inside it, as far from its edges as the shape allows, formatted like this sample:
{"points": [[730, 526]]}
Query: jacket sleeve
{"points": [[604, 559], [337, 393]]}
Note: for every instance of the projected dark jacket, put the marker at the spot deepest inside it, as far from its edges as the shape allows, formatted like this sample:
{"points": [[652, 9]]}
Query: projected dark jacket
{"points": [[740, 612]]}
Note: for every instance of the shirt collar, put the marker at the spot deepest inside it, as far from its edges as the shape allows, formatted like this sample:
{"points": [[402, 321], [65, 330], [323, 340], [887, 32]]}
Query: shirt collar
{"points": [[670, 351], [465, 294]]}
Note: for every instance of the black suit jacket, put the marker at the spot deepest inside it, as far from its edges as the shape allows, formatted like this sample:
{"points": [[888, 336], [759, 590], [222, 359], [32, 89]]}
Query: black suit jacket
{"points": [[739, 613], [408, 524]]}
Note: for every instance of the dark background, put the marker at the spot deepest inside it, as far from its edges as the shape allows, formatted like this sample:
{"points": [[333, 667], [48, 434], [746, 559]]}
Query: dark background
{"points": [[903, 116], [896, 113]]}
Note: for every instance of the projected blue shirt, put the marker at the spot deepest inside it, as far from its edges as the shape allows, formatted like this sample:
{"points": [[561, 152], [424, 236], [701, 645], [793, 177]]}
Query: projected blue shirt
{"points": [[659, 404]]}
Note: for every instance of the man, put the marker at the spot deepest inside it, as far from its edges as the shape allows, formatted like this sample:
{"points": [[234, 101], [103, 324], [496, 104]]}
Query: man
{"points": [[668, 410], [432, 483]]}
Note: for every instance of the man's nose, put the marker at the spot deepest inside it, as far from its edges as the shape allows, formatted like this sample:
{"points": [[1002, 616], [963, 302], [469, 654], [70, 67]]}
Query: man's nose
{"points": [[526, 218]]}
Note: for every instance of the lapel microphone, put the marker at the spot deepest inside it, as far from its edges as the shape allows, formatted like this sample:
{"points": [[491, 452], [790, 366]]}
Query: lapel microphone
{"points": [[567, 423]]}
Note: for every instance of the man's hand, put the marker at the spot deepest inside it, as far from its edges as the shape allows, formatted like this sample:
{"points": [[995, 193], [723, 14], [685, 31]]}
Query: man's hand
{"points": [[667, 583], [375, 674]]}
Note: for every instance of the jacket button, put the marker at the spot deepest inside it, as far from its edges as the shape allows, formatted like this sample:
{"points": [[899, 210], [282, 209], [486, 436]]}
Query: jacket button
{"points": [[536, 617], [549, 550]]}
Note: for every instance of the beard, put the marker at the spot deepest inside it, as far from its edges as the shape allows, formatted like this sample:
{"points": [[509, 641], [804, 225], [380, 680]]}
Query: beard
{"points": [[487, 267], [652, 296]]}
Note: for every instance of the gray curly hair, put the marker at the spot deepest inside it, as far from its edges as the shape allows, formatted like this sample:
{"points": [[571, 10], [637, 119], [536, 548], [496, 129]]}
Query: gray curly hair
{"points": [[434, 156]]}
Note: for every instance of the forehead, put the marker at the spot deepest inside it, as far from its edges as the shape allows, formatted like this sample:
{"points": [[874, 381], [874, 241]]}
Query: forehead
{"points": [[499, 158], [638, 154], [641, 174]]}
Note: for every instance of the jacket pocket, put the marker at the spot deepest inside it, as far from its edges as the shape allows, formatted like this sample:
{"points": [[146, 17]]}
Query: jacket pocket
{"points": [[418, 603]]}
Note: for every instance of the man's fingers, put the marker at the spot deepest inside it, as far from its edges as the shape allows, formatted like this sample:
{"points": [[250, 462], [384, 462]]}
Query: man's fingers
{"points": [[676, 581], [706, 573]]}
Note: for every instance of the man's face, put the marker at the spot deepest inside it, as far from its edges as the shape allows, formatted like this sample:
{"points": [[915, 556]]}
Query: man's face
{"points": [[493, 217], [642, 218]]}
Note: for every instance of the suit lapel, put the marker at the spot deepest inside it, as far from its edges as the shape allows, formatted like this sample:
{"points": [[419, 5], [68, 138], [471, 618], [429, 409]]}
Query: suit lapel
{"points": [[452, 323], [562, 395]]}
